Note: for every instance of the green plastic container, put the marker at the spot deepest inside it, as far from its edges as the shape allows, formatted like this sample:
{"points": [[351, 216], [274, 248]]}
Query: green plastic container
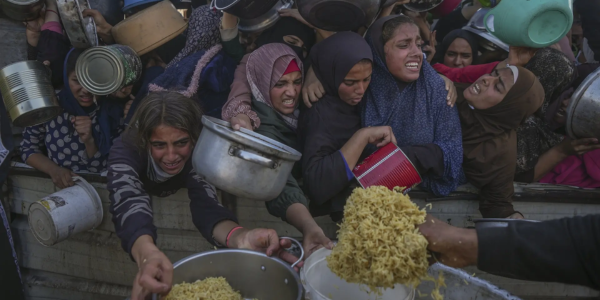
{"points": [[530, 23]]}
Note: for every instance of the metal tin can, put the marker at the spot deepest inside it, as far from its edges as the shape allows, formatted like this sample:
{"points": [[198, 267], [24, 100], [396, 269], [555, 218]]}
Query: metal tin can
{"points": [[106, 69], [28, 93]]}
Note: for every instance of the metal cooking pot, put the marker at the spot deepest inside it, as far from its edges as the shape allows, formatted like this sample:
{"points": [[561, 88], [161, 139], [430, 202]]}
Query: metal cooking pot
{"points": [[253, 274], [498, 222], [28, 93], [244, 9], [477, 27], [422, 5], [339, 15], [22, 10], [243, 163], [110, 10], [583, 112], [267, 20], [80, 30]]}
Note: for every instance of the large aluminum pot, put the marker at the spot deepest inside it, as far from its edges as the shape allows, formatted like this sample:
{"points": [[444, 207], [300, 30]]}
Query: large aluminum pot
{"points": [[28, 93], [253, 274], [22, 10], [267, 20], [583, 112], [244, 9], [422, 5], [339, 15], [243, 163]]}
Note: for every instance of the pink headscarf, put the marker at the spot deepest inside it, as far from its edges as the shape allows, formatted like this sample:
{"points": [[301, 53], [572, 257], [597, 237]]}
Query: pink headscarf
{"points": [[577, 170], [266, 65]]}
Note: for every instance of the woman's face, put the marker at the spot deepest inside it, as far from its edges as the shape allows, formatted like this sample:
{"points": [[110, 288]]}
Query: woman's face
{"points": [[356, 83], [489, 89], [170, 148], [83, 97], [285, 93], [459, 54], [293, 40], [403, 54], [561, 115]]}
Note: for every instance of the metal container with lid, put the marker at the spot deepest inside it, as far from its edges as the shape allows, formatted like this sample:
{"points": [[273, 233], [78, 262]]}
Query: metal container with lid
{"points": [[583, 112], [104, 70], [80, 30], [22, 10], [243, 163], [487, 40], [267, 20], [150, 28], [28, 93]]}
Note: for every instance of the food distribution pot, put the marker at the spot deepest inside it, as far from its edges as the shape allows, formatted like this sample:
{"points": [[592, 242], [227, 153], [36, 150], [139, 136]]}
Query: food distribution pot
{"points": [[339, 15], [583, 112], [267, 19], [22, 10], [498, 222], [253, 274], [244, 9], [80, 30], [243, 163]]}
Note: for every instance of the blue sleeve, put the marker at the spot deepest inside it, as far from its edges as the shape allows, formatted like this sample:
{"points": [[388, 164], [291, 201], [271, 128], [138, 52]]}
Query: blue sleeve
{"points": [[349, 173], [448, 136], [33, 141]]}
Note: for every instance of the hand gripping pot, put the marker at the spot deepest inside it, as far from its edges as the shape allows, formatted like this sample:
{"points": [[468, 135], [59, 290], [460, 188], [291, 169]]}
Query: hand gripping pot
{"points": [[80, 30], [253, 274], [243, 163], [389, 167]]}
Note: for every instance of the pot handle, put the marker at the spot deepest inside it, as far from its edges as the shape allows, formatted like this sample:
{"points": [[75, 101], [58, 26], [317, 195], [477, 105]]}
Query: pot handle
{"points": [[251, 157], [212, 5], [299, 245]]}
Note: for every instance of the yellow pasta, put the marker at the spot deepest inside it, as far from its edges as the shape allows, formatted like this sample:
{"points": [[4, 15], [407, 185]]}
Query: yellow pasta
{"points": [[379, 244], [212, 288]]}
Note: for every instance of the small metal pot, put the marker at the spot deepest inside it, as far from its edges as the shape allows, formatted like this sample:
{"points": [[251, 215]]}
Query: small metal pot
{"points": [[28, 93], [487, 40], [80, 30], [243, 163], [253, 274], [244, 9], [422, 5], [339, 15], [267, 20], [22, 10], [497, 222], [583, 112]]}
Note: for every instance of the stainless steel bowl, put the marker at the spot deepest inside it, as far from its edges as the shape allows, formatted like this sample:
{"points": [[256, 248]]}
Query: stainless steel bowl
{"points": [[422, 5], [253, 274], [267, 19], [496, 222], [22, 10], [487, 40], [583, 112]]}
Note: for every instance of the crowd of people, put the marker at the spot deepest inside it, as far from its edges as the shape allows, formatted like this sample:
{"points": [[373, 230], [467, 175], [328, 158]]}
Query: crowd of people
{"points": [[461, 114]]}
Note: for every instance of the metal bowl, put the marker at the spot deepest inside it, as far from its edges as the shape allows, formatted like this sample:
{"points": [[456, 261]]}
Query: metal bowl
{"points": [[422, 5], [244, 9], [80, 30], [339, 15], [497, 222], [583, 112], [253, 274], [22, 10], [267, 20], [487, 40]]}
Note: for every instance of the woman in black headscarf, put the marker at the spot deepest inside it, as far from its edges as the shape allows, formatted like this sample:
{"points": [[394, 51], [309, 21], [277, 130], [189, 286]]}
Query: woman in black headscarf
{"points": [[330, 133], [458, 49]]}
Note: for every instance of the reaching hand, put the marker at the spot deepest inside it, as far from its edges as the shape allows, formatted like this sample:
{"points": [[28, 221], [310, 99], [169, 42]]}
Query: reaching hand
{"points": [[520, 56], [62, 178], [83, 126], [263, 240], [580, 146], [103, 28], [452, 246], [380, 135], [312, 90], [241, 121], [452, 95], [155, 275], [313, 239]]}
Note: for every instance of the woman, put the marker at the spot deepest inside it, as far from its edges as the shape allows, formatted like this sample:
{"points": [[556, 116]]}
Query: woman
{"points": [[275, 76], [458, 49], [298, 36], [330, 131], [153, 158], [407, 94], [79, 138], [491, 110]]}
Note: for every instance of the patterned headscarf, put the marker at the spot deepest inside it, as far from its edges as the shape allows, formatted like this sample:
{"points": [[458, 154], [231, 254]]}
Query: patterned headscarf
{"points": [[265, 67], [203, 32]]}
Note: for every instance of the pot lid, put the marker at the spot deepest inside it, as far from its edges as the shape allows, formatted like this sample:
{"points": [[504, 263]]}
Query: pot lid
{"points": [[251, 139], [335, 15], [100, 71], [23, 2], [265, 21], [576, 97]]}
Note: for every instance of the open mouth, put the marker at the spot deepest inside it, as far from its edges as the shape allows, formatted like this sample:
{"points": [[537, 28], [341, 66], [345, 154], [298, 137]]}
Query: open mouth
{"points": [[86, 98], [413, 66], [476, 89], [289, 103], [172, 166]]}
